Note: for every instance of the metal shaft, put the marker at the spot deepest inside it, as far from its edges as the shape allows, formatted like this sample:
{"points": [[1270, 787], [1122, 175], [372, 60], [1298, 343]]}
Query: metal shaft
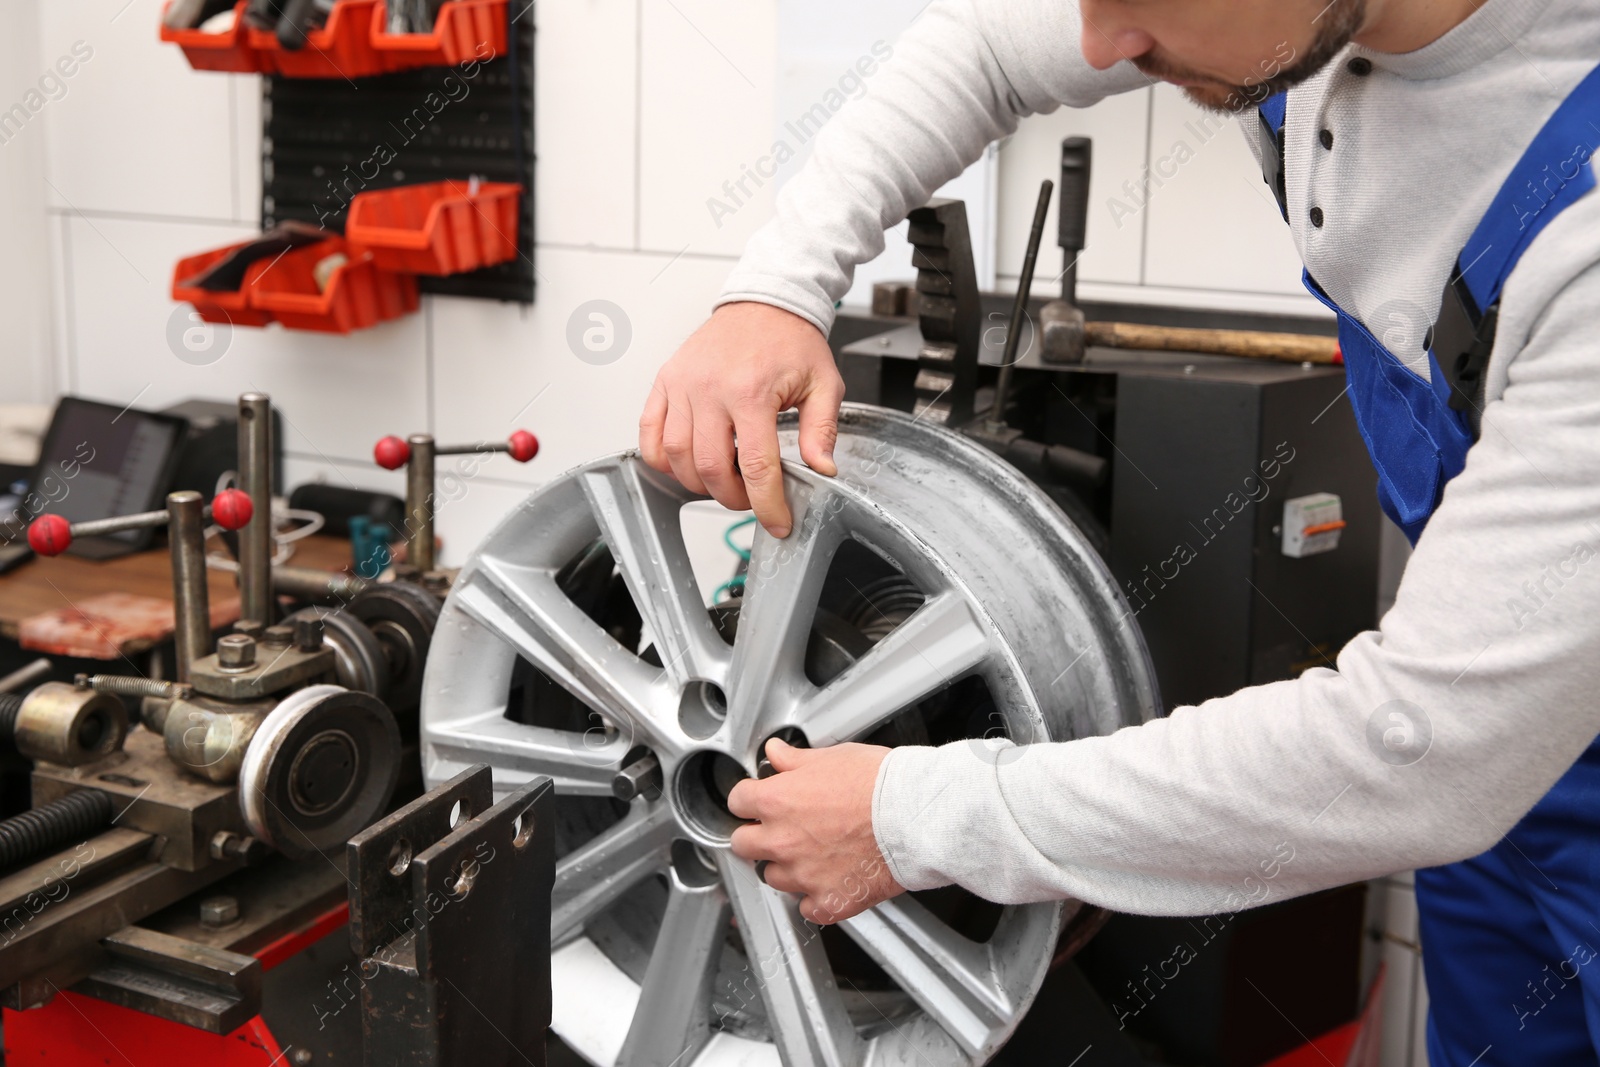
{"points": [[419, 502], [255, 538], [191, 599], [1019, 308], [26, 677], [318, 586], [465, 450], [143, 520], [74, 817]]}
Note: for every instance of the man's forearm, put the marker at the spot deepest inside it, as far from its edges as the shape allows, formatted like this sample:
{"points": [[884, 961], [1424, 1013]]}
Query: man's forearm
{"points": [[959, 78], [1437, 732]]}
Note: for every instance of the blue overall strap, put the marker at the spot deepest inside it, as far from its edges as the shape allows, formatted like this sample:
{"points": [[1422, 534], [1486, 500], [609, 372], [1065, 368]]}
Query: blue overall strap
{"points": [[1272, 113], [1552, 174]]}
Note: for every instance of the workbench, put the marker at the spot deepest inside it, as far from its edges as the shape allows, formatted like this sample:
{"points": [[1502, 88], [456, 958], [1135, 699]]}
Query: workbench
{"points": [[68, 583]]}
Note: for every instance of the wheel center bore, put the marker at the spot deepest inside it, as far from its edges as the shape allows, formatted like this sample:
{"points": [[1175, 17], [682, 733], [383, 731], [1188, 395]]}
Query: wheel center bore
{"points": [[700, 793]]}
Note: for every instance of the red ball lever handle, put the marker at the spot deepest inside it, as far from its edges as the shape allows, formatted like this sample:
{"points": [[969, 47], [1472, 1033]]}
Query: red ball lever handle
{"points": [[392, 452], [51, 535]]}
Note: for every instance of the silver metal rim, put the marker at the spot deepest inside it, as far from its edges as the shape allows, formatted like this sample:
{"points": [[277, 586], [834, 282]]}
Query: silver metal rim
{"points": [[1013, 594]]}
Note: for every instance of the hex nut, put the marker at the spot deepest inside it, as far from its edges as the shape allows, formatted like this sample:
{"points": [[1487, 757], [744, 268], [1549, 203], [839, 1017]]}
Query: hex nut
{"points": [[236, 652], [278, 635], [221, 844], [249, 627], [308, 630], [219, 911], [227, 845]]}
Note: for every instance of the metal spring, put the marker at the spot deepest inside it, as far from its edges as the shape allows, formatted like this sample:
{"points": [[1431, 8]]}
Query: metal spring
{"points": [[74, 817], [10, 704], [125, 686]]}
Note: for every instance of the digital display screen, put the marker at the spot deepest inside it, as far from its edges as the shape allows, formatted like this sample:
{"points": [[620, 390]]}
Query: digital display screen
{"points": [[99, 461]]}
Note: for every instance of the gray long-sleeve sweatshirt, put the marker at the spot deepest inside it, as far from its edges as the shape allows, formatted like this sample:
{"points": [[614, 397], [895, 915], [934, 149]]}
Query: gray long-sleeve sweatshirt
{"points": [[1493, 645]]}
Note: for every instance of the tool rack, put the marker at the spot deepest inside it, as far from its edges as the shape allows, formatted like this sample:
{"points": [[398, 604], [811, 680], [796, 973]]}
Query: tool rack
{"points": [[372, 136]]}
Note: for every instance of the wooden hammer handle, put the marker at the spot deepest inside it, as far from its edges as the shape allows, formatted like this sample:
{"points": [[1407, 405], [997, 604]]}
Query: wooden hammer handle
{"points": [[1286, 347]]}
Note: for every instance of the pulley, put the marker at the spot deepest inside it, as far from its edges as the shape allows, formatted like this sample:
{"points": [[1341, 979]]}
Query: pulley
{"points": [[321, 766]]}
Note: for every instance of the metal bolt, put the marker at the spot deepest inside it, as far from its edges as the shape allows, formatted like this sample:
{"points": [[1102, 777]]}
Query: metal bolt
{"points": [[227, 845], [219, 911], [220, 842], [236, 652], [249, 627], [642, 777], [436, 582], [278, 636], [308, 633]]}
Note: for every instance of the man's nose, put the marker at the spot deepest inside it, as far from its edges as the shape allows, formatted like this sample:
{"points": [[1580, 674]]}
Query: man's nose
{"points": [[1108, 38]]}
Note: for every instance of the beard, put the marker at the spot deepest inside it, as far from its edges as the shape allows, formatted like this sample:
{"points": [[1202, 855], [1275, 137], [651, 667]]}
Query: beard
{"points": [[1337, 24]]}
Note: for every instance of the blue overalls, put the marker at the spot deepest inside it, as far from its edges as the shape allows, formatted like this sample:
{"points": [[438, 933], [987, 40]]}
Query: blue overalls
{"points": [[1510, 938]]}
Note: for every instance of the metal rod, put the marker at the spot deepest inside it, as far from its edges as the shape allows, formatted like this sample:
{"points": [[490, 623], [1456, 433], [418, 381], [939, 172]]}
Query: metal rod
{"points": [[143, 520], [462, 450], [191, 599], [24, 677], [1019, 307], [419, 502], [318, 586], [255, 539]]}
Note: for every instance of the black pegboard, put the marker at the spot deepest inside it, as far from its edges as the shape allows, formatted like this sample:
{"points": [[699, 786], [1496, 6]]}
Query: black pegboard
{"points": [[325, 139]]}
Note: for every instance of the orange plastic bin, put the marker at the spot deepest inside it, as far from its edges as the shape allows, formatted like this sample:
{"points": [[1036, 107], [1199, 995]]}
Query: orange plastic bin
{"points": [[230, 306], [359, 294], [353, 43], [340, 49], [465, 30], [438, 228], [229, 51]]}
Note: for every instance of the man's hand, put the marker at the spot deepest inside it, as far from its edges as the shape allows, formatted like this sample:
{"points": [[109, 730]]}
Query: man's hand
{"points": [[815, 828], [731, 379]]}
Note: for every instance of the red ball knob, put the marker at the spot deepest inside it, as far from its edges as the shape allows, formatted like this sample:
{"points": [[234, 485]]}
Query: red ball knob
{"points": [[391, 453], [524, 446], [232, 509], [49, 535]]}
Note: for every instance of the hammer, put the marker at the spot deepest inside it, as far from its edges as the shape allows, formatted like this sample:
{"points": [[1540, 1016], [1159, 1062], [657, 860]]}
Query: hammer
{"points": [[1061, 323], [1066, 335]]}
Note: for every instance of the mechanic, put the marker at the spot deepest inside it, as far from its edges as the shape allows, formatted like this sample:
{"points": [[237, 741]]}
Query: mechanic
{"points": [[1435, 157]]}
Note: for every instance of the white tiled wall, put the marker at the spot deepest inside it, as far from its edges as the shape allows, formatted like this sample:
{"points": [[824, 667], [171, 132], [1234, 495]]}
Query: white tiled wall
{"points": [[644, 108]]}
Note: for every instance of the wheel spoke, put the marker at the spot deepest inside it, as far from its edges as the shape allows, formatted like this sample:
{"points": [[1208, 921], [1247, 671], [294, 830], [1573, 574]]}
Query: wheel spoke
{"points": [[526, 608], [788, 964], [948, 976], [590, 878], [580, 764], [638, 512], [673, 1020], [767, 676], [940, 642]]}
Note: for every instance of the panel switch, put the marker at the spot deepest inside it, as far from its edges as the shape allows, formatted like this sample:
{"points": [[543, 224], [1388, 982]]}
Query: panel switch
{"points": [[1311, 524]]}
